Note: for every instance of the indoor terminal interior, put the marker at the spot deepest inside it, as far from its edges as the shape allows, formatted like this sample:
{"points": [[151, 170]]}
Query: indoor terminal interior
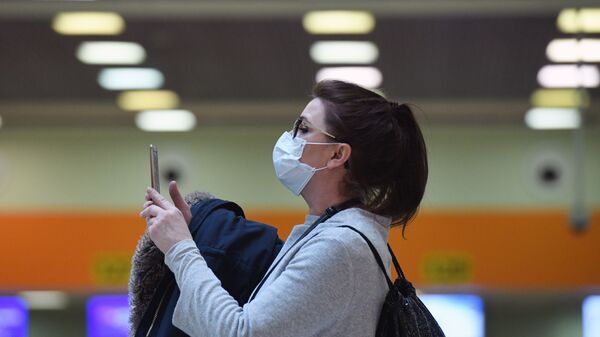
{"points": [[506, 241]]}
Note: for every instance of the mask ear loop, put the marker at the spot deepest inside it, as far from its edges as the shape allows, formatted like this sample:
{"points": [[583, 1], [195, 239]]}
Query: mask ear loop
{"points": [[318, 143], [346, 163]]}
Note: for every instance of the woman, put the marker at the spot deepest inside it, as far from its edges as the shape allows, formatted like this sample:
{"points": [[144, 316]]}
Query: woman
{"points": [[349, 148]]}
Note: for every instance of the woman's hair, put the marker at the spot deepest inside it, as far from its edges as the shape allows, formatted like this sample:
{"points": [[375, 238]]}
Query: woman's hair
{"points": [[387, 168]]}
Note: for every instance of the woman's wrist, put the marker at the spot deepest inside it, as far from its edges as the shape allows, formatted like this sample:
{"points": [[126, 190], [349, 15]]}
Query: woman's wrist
{"points": [[172, 252]]}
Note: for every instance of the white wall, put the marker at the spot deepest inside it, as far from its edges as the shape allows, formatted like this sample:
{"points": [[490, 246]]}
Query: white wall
{"points": [[97, 168]]}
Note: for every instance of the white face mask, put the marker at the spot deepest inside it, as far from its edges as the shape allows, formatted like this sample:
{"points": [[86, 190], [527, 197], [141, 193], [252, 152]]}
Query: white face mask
{"points": [[292, 173]]}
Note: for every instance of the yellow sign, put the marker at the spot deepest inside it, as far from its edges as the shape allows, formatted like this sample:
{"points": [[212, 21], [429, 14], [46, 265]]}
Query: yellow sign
{"points": [[111, 269], [447, 268]]}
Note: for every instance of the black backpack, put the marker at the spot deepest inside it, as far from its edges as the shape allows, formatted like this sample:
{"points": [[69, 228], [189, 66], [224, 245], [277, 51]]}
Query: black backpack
{"points": [[403, 314]]}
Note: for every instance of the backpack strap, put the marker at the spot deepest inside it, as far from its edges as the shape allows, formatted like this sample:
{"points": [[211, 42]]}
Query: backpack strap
{"points": [[329, 212], [396, 264]]}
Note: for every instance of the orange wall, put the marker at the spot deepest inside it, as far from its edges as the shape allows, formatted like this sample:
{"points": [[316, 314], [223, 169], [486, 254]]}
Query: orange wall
{"points": [[511, 250]]}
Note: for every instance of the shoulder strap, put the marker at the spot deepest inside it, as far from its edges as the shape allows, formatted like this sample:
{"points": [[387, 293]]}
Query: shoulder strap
{"points": [[395, 261], [329, 212]]}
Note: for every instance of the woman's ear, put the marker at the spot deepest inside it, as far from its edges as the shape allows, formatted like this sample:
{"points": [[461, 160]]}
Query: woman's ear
{"points": [[340, 156]]}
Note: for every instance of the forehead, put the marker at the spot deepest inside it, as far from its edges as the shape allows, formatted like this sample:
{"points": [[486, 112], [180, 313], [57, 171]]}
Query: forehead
{"points": [[314, 112]]}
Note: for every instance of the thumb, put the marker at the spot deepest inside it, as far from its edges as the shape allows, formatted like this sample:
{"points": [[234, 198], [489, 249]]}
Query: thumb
{"points": [[179, 202]]}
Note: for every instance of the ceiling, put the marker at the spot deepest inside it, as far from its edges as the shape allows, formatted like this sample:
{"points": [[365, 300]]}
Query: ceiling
{"points": [[463, 62]]}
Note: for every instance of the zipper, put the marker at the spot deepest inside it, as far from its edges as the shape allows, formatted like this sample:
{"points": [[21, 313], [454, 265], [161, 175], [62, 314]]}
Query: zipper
{"points": [[158, 308]]}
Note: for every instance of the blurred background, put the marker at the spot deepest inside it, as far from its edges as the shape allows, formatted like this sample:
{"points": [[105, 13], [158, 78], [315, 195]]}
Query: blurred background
{"points": [[507, 241]]}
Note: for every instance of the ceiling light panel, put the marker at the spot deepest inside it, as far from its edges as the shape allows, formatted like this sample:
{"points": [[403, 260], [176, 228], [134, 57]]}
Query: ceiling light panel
{"points": [[569, 76], [130, 78], [344, 52], [339, 22], [552, 118], [165, 120], [88, 23], [111, 53], [148, 100], [368, 77]]}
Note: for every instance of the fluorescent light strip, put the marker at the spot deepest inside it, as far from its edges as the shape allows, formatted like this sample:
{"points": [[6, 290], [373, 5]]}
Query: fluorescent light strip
{"points": [[584, 20], [339, 22], [552, 118], [368, 77], [589, 50], [165, 120], [560, 98], [589, 20], [46, 300], [563, 50], [88, 23], [567, 20], [569, 76], [110, 52], [571, 50], [344, 52], [130, 78], [147, 100]]}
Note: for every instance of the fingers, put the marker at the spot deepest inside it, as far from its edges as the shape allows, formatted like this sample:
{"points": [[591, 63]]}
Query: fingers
{"points": [[179, 201], [151, 211], [158, 199], [175, 195]]}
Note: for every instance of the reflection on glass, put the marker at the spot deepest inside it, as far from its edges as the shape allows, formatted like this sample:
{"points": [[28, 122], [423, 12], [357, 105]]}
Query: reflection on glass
{"points": [[13, 316], [107, 316], [457, 315]]}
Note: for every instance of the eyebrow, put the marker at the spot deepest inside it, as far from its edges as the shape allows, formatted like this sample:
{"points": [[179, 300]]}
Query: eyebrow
{"points": [[304, 119]]}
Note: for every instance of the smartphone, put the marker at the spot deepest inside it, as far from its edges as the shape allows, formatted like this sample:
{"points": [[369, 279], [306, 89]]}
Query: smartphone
{"points": [[154, 174]]}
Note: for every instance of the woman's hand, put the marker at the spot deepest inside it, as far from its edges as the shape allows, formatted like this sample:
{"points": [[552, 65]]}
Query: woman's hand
{"points": [[167, 223], [178, 200]]}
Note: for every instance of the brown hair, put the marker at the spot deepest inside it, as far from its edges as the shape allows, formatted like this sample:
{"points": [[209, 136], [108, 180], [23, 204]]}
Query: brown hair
{"points": [[387, 168]]}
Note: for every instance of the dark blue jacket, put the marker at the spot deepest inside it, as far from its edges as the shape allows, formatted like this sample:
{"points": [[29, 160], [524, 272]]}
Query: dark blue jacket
{"points": [[238, 251]]}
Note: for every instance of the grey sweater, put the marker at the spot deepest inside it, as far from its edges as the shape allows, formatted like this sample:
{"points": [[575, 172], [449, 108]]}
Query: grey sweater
{"points": [[326, 285]]}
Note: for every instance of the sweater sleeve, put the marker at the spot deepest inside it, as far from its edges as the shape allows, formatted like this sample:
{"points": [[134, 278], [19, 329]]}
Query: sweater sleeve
{"points": [[313, 291]]}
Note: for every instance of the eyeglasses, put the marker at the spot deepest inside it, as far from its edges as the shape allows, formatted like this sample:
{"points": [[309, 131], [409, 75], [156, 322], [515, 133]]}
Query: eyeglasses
{"points": [[303, 125]]}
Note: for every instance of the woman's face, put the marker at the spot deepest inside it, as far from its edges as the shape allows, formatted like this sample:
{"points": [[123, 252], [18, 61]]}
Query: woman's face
{"points": [[315, 155]]}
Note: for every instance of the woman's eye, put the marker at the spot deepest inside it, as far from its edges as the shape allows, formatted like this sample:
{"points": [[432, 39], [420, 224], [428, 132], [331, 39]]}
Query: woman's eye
{"points": [[303, 129]]}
